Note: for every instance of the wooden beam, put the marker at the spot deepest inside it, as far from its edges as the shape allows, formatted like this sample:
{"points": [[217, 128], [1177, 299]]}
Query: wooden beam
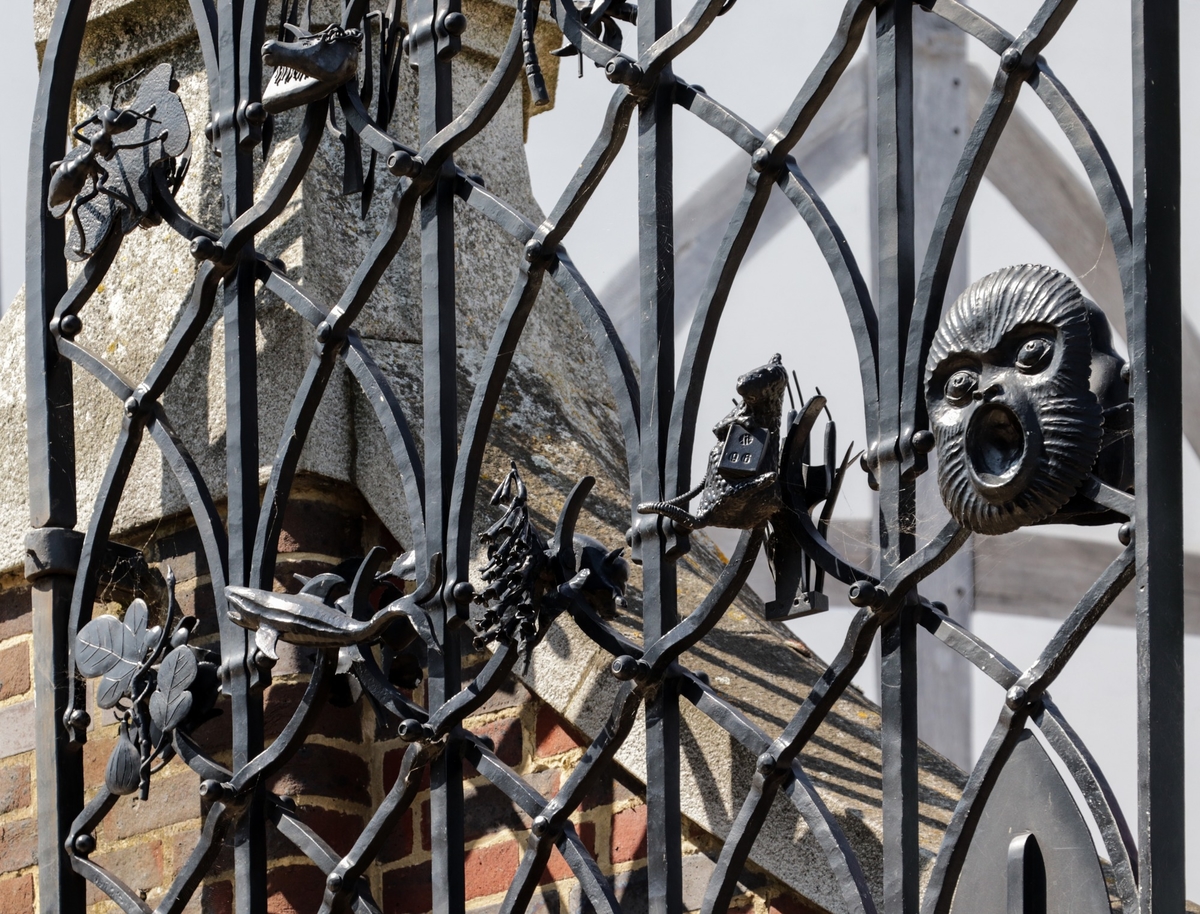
{"points": [[1060, 206], [1029, 573], [834, 143], [1057, 203]]}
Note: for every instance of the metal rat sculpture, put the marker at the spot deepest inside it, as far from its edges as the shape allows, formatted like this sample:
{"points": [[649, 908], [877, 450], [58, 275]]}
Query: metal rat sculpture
{"points": [[754, 481], [741, 487]]}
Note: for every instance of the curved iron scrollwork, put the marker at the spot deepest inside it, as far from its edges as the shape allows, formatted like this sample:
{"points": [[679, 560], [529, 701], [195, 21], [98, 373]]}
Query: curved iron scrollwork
{"points": [[1016, 385]]}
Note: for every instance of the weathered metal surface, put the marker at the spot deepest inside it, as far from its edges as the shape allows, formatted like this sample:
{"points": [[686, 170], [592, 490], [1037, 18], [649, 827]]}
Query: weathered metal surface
{"points": [[762, 478], [1032, 852]]}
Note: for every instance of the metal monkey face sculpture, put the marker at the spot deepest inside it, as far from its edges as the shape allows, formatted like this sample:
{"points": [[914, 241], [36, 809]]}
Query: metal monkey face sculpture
{"points": [[1019, 377]]}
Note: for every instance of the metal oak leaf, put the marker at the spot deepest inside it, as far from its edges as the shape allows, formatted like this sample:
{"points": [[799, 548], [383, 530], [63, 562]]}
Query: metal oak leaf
{"points": [[108, 648], [172, 701]]}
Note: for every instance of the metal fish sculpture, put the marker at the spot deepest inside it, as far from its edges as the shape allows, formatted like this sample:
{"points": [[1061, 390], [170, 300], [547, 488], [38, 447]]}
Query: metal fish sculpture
{"points": [[306, 619]]}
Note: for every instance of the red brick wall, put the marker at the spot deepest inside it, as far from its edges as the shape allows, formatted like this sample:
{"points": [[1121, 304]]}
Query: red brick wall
{"points": [[338, 777]]}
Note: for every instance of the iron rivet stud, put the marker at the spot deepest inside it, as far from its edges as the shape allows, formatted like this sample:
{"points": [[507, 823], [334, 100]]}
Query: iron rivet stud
{"points": [[79, 720], [864, 593], [1125, 373], [334, 881], [131, 406], [767, 763], [625, 668], [758, 161], [622, 70], [454, 23], [535, 251], [922, 441], [70, 325], [1125, 534], [463, 593], [540, 826], [1010, 60], [404, 164], [85, 844], [204, 248], [323, 332], [262, 661], [212, 790], [256, 113], [411, 730], [1016, 697]]}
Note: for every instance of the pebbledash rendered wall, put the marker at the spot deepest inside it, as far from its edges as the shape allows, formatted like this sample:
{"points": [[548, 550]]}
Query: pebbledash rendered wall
{"points": [[550, 422]]}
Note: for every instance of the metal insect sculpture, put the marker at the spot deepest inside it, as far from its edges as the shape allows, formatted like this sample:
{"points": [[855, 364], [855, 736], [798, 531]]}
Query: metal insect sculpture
{"points": [[1024, 390], [102, 178]]}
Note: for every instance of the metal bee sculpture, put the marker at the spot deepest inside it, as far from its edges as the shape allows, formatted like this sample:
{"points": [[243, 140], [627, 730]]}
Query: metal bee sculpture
{"points": [[105, 181], [1028, 401]]}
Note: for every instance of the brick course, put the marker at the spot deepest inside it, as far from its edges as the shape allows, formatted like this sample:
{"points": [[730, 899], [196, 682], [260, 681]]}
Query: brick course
{"points": [[16, 895], [337, 778], [14, 788], [14, 670]]}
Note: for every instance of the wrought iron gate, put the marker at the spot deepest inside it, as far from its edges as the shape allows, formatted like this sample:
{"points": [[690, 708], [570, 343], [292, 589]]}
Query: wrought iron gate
{"points": [[1032, 415]]}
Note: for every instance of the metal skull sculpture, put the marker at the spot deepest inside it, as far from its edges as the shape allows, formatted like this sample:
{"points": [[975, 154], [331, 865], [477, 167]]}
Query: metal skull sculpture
{"points": [[1020, 378]]}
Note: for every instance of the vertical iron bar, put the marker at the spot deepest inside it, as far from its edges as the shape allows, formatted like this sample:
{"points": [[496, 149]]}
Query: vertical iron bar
{"points": [[897, 494], [656, 243], [51, 436], [1154, 345], [940, 127], [439, 345], [241, 456]]}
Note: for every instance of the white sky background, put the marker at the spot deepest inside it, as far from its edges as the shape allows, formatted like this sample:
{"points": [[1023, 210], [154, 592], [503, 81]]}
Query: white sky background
{"points": [[786, 292]]}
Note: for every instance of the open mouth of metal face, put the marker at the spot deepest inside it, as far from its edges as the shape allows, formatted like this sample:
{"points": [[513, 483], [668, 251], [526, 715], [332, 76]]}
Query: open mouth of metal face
{"points": [[996, 450]]}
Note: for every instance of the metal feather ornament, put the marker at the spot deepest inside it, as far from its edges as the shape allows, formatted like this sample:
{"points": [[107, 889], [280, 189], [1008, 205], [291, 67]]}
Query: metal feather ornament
{"points": [[518, 572]]}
